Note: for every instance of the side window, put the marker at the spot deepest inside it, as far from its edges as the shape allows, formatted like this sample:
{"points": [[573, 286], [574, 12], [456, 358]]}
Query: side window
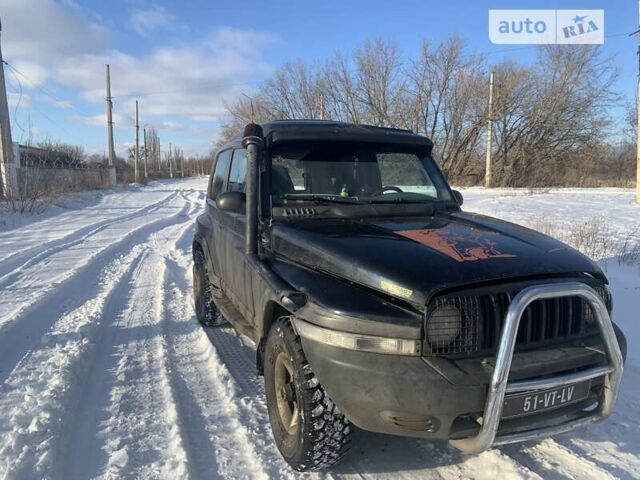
{"points": [[238, 172], [220, 173]]}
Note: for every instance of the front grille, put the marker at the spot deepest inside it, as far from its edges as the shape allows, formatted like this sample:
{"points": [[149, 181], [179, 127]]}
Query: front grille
{"points": [[544, 322]]}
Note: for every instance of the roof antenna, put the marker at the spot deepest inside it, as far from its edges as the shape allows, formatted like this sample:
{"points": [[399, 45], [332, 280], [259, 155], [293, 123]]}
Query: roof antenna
{"points": [[251, 104]]}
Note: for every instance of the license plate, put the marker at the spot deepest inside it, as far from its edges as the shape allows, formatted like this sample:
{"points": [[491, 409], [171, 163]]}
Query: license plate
{"points": [[527, 403]]}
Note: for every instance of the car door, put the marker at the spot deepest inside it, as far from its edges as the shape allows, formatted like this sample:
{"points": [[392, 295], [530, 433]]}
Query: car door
{"points": [[235, 269], [217, 185]]}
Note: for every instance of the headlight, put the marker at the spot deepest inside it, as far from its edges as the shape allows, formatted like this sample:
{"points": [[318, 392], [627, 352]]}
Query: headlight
{"points": [[355, 341], [443, 326]]}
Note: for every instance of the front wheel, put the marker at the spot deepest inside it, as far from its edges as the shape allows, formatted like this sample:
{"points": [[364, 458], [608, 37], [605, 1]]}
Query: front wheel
{"points": [[309, 429]]}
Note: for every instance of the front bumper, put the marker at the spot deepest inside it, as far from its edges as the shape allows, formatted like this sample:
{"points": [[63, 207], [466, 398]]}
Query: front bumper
{"points": [[406, 395], [393, 394]]}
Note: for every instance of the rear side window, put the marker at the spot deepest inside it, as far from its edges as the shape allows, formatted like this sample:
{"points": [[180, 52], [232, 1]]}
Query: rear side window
{"points": [[238, 172], [220, 173]]}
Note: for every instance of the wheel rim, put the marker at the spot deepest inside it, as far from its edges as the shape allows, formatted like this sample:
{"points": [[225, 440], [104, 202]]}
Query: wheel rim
{"points": [[286, 393]]}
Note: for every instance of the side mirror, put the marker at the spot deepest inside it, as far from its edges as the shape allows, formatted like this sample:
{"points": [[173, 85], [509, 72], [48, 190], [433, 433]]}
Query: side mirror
{"points": [[231, 201], [458, 196]]}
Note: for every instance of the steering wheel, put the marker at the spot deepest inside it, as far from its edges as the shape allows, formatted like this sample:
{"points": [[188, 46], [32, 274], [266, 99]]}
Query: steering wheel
{"points": [[387, 188]]}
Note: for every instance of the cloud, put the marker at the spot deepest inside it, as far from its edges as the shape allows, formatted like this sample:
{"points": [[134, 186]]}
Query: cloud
{"points": [[44, 31], [62, 104], [190, 80], [100, 120], [171, 125], [27, 73], [14, 99], [145, 21], [63, 44]]}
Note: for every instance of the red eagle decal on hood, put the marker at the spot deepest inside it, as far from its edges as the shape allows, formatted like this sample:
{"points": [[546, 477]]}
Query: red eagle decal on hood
{"points": [[462, 244]]}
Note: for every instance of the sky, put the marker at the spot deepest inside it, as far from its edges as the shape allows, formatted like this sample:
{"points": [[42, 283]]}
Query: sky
{"points": [[183, 60]]}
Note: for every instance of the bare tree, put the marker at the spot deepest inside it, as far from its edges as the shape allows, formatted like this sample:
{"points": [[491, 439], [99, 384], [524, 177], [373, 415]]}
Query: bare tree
{"points": [[379, 82], [294, 92], [547, 116], [558, 107], [447, 103]]}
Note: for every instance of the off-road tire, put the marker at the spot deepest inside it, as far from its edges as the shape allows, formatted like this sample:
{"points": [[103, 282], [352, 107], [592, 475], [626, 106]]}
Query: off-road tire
{"points": [[323, 433], [206, 311]]}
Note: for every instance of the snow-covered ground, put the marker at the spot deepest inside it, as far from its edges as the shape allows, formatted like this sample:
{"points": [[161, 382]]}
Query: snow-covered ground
{"points": [[105, 373]]}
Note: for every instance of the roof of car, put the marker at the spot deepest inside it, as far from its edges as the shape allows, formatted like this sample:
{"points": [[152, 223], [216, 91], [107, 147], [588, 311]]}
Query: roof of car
{"points": [[305, 130]]}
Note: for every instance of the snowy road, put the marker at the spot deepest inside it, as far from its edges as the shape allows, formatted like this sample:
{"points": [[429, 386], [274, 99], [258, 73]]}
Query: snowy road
{"points": [[105, 372]]}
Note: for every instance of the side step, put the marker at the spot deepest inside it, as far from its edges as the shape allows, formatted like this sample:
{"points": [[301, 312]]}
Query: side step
{"points": [[232, 314]]}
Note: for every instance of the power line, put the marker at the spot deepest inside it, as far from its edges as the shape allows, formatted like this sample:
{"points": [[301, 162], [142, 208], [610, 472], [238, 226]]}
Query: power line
{"points": [[15, 119], [227, 85], [15, 108], [222, 84], [181, 90], [42, 90]]}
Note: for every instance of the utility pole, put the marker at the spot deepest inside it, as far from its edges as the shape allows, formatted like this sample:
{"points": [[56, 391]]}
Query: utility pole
{"points": [[8, 180], [487, 175], [109, 118], [146, 151], [137, 152], [182, 164], [169, 158], [112, 154], [637, 34]]}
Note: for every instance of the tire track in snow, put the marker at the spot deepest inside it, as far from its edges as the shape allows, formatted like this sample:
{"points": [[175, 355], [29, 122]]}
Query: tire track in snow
{"points": [[40, 397], [217, 441], [35, 438], [202, 384], [554, 462], [204, 390], [132, 334], [611, 445], [30, 255], [62, 264], [376, 455], [183, 431], [142, 432], [236, 361], [19, 333]]}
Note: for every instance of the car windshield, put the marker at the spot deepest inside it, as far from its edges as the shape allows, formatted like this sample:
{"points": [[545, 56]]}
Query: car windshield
{"points": [[354, 173]]}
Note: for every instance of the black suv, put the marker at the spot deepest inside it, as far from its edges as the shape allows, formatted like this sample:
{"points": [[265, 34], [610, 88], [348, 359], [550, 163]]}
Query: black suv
{"points": [[373, 300]]}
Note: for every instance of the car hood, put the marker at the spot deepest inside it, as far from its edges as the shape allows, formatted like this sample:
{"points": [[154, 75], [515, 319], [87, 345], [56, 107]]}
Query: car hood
{"points": [[413, 258]]}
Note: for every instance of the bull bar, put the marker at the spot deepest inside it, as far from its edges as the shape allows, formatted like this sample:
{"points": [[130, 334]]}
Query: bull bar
{"points": [[499, 386]]}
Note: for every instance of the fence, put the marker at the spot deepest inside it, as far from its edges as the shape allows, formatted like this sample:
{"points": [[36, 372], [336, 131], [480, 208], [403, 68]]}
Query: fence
{"points": [[37, 173], [52, 180]]}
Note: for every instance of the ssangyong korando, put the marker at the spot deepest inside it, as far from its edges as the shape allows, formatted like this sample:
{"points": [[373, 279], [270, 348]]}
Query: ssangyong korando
{"points": [[374, 301]]}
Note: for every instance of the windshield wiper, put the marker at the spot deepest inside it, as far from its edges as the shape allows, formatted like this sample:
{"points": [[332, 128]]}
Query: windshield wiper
{"points": [[316, 198], [401, 200]]}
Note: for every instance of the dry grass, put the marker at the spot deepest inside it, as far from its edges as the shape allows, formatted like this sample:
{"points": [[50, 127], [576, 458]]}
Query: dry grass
{"points": [[595, 238], [36, 187], [629, 252]]}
